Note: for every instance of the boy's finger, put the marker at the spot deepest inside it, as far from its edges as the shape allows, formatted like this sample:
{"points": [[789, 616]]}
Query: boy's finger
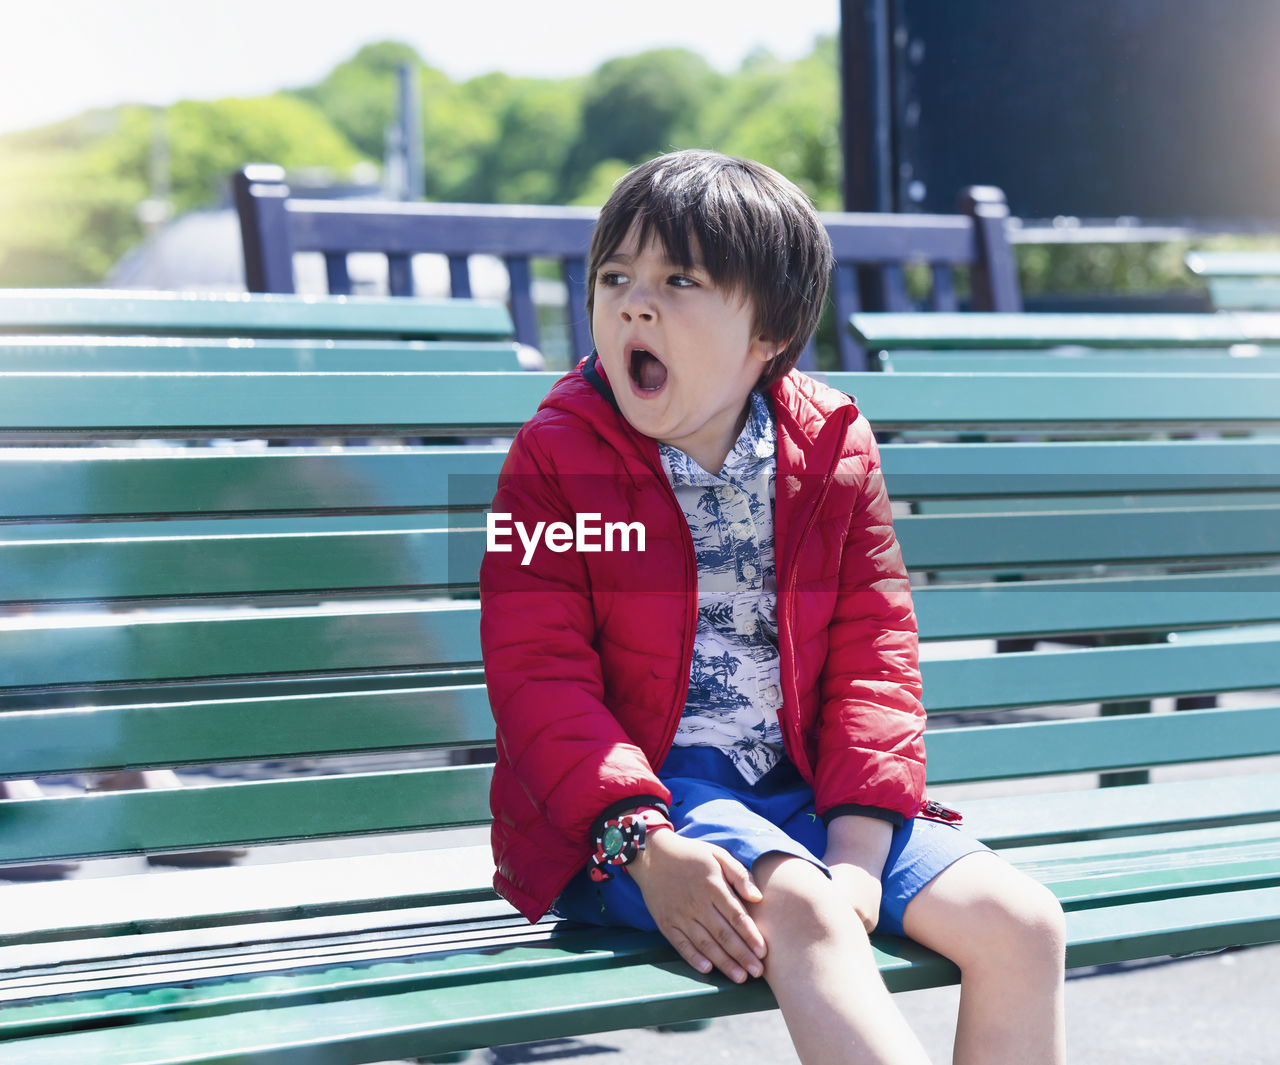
{"points": [[743, 944], [718, 942], [739, 879]]}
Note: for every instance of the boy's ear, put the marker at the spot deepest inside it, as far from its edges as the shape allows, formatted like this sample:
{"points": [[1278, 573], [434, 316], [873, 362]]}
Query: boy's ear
{"points": [[767, 348]]}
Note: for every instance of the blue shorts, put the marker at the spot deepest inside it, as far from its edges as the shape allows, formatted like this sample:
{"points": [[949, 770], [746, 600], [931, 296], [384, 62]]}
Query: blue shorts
{"points": [[712, 802]]}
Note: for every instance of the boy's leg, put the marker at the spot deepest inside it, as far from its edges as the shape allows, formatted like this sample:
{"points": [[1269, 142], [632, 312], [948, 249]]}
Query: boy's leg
{"points": [[822, 972], [1006, 933]]}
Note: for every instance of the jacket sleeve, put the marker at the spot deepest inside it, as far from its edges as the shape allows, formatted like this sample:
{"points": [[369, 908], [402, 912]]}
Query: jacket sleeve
{"points": [[871, 720], [537, 625]]}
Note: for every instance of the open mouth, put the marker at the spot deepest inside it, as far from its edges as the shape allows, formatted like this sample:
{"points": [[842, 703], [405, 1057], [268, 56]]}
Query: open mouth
{"points": [[647, 370]]}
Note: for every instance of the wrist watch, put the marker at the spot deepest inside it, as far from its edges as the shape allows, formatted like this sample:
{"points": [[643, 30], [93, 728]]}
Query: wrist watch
{"points": [[618, 842]]}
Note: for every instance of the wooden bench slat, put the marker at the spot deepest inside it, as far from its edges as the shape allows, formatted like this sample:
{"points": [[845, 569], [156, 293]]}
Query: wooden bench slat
{"points": [[1078, 468], [43, 483], [200, 355], [113, 649], [1160, 602], [1129, 810], [404, 403], [413, 1023], [1063, 537], [134, 822], [79, 311], [1090, 365], [146, 904], [987, 752], [105, 482], [116, 649], [1106, 674], [161, 734], [1095, 872], [1039, 330], [125, 560], [257, 561]]}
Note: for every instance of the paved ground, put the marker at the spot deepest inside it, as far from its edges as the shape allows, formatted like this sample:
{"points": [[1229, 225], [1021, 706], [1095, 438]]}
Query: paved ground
{"points": [[1218, 1010]]}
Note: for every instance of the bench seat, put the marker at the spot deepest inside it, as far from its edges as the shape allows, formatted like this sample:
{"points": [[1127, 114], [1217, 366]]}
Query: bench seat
{"points": [[303, 620]]}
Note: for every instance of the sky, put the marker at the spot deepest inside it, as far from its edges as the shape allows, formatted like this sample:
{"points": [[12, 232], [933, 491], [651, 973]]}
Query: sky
{"points": [[60, 57]]}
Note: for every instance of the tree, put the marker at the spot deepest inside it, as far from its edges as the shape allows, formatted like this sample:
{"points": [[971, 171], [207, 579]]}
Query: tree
{"points": [[640, 105], [360, 97]]}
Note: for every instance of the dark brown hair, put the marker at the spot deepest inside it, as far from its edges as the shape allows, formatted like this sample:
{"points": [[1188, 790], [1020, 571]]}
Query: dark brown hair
{"points": [[757, 233]]}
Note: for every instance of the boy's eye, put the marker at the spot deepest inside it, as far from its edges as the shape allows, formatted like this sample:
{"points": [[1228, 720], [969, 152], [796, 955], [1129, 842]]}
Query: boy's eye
{"points": [[681, 281], [611, 278]]}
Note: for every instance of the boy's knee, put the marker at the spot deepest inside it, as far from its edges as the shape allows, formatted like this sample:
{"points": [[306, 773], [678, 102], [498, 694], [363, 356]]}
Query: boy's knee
{"points": [[1028, 922], [799, 898]]}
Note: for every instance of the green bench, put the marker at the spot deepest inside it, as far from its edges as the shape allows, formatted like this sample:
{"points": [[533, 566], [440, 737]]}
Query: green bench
{"points": [[85, 330], [1129, 343], [301, 618], [1239, 280]]}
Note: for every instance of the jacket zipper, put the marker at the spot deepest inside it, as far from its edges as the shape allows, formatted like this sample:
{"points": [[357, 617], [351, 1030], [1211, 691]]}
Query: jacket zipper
{"points": [[793, 577]]}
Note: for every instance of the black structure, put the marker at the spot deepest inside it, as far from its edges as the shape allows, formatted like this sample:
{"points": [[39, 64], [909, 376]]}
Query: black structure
{"points": [[1162, 110]]}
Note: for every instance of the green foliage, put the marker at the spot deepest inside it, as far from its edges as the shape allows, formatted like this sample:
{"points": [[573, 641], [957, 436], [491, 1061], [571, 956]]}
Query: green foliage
{"points": [[69, 194], [360, 96], [787, 116], [639, 105]]}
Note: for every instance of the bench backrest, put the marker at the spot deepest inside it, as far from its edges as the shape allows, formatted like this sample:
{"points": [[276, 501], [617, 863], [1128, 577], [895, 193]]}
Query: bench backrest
{"points": [[1239, 280], [186, 606], [871, 250]]}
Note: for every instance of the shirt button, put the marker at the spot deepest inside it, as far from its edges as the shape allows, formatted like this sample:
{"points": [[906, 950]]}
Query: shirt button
{"points": [[773, 694], [748, 571]]}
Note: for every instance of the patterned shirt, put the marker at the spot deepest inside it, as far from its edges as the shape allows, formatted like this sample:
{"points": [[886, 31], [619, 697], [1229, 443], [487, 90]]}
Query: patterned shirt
{"points": [[735, 685]]}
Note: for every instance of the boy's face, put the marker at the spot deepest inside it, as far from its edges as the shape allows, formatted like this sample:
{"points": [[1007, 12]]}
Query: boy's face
{"points": [[680, 353]]}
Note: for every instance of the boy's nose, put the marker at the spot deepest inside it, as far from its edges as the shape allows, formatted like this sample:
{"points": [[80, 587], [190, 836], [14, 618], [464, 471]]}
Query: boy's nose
{"points": [[638, 304]]}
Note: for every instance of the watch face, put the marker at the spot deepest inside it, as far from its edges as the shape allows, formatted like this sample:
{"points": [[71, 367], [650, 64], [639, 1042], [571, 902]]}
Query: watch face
{"points": [[613, 840]]}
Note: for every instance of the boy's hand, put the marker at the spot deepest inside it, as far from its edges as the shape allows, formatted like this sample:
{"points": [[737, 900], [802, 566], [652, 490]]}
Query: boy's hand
{"points": [[694, 892], [857, 848]]}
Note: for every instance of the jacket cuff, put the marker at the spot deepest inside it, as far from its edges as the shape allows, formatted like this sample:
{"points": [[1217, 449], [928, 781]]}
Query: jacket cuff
{"points": [[879, 812], [622, 806]]}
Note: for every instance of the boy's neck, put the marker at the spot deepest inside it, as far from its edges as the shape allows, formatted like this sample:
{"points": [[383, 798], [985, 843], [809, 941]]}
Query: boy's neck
{"points": [[711, 454]]}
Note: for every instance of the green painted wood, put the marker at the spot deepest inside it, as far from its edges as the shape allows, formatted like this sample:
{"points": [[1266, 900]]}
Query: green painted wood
{"points": [[1106, 674], [129, 560], [1096, 872], [77, 312], [410, 404], [408, 1023], [961, 400], [1247, 264], [199, 355], [1245, 294], [117, 649], [1031, 330], [1154, 361], [1159, 602], [162, 734], [46, 483], [1043, 748], [1065, 537], [315, 404], [142, 822], [114, 649], [389, 553], [72, 913], [1053, 818]]}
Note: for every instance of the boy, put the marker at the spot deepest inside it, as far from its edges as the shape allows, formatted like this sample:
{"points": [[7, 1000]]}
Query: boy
{"points": [[720, 736]]}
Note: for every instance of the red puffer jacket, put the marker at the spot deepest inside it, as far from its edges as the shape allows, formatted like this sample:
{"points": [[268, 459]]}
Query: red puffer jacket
{"points": [[587, 654]]}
